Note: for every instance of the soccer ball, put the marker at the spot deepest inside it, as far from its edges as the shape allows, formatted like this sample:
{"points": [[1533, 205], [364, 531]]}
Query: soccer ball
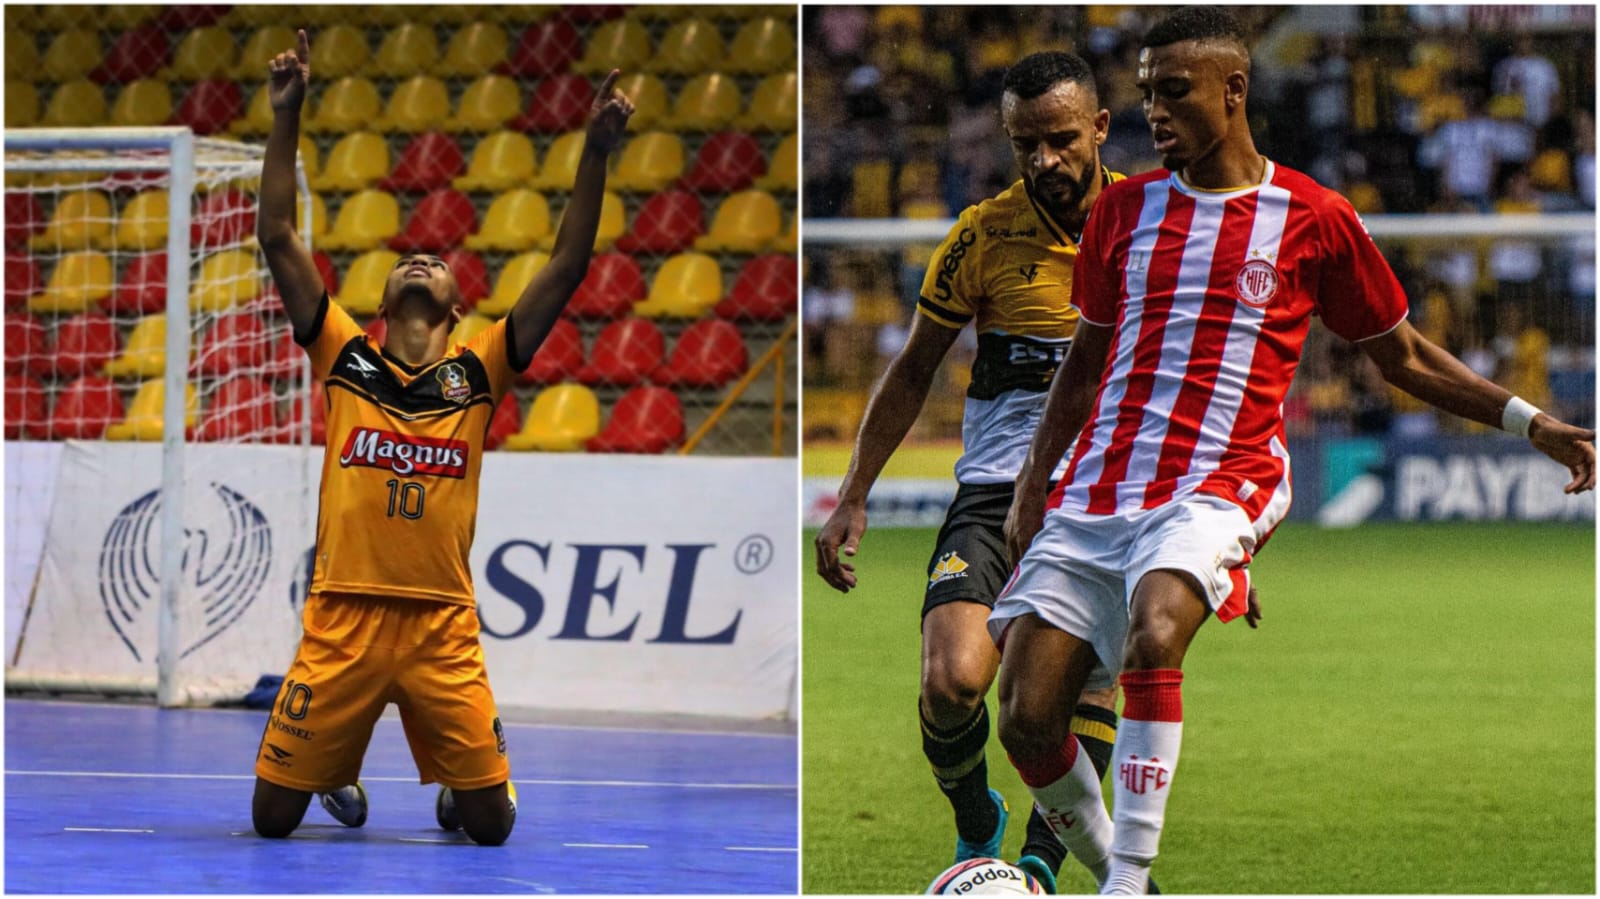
{"points": [[984, 875]]}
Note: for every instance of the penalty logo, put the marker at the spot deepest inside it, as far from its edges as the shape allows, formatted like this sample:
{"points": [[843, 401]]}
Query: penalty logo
{"points": [[225, 561], [949, 567]]}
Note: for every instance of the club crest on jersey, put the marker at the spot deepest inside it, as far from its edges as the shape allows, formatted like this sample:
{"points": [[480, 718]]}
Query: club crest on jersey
{"points": [[1256, 283], [949, 567], [453, 382]]}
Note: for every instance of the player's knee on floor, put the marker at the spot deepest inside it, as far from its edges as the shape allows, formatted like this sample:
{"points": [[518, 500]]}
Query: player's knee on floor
{"points": [[486, 815], [276, 811]]}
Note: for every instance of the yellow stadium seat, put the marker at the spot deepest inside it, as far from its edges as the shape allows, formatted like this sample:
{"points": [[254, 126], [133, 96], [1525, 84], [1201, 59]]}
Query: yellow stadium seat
{"points": [[789, 240], [515, 222], [475, 49], [783, 173], [72, 54], [514, 278], [470, 326], [746, 222], [687, 286], [257, 118], [143, 223], [408, 49], [227, 279], [22, 55], [310, 159], [349, 104], [355, 163], [691, 46], [454, 14], [204, 53], [649, 98], [774, 105], [143, 102], [661, 12], [501, 161], [145, 354], [562, 419], [257, 15], [319, 217], [560, 163], [707, 103], [361, 292], [339, 50], [22, 104], [74, 104], [486, 105], [761, 46], [78, 281], [649, 162], [80, 219], [613, 224], [618, 44], [263, 44], [420, 103], [54, 17], [146, 414], [365, 221], [124, 17]]}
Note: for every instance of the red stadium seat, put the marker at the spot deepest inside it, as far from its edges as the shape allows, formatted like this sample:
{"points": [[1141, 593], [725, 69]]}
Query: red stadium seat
{"points": [[180, 18], [83, 345], [136, 53], [559, 104], [668, 222], [284, 356], [85, 409], [428, 162], [645, 420], [25, 341], [27, 407], [709, 354], [143, 288], [377, 329], [24, 218], [507, 420], [613, 285], [593, 12], [22, 280], [438, 223], [726, 162], [767, 289], [239, 408], [237, 340], [545, 49], [472, 276], [271, 301], [223, 217], [558, 358], [210, 106], [625, 353], [290, 432]]}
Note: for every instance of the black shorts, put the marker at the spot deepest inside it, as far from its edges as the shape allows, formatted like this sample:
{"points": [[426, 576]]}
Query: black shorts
{"points": [[970, 562]]}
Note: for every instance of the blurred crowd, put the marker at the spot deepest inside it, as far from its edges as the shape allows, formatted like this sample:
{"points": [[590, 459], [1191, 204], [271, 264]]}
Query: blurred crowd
{"points": [[1402, 109]]}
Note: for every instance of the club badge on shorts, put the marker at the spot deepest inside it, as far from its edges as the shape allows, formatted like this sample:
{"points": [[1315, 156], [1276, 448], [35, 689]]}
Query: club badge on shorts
{"points": [[499, 737]]}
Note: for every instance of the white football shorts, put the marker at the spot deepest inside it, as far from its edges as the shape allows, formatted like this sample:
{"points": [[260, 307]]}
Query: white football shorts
{"points": [[1080, 571]]}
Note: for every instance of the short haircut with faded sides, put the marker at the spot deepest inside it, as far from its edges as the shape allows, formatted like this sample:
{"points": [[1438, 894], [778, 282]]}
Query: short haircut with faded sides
{"points": [[1197, 23], [1034, 74]]}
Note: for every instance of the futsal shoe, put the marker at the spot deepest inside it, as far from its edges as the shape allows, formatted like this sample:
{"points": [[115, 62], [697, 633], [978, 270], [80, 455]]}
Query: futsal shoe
{"points": [[444, 807], [990, 848], [1040, 870], [347, 805]]}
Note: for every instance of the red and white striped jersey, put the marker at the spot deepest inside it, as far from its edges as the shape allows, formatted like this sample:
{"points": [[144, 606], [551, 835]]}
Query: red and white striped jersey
{"points": [[1211, 295]]}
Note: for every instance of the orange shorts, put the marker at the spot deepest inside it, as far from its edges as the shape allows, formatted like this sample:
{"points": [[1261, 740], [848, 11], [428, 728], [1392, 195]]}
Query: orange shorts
{"points": [[358, 654]]}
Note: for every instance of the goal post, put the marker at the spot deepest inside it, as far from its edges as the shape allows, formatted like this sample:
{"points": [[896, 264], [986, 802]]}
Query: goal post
{"points": [[186, 531]]}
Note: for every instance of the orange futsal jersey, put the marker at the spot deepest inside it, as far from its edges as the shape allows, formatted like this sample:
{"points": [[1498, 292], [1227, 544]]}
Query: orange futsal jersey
{"points": [[399, 497]]}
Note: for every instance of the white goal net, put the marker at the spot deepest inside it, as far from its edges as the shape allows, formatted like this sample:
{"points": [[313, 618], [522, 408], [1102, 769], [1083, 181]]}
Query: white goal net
{"points": [[160, 484]]}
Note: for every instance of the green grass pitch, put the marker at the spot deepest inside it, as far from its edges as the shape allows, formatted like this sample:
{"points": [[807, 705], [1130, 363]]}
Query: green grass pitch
{"points": [[1415, 715]]}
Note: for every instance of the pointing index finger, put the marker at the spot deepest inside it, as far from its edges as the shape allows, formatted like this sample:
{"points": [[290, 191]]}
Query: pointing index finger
{"points": [[303, 49], [606, 85]]}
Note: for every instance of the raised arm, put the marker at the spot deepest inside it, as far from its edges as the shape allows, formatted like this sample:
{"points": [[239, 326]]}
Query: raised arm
{"points": [[891, 411], [1066, 411], [547, 294], [299, 283], [1416, 365]]}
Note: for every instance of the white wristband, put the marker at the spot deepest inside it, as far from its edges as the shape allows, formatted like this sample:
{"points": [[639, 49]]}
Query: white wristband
{"points": [[1517, 416]]}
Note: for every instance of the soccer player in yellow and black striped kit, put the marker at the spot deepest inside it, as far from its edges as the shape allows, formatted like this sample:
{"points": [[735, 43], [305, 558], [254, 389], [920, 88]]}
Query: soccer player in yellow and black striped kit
{"points": [[1006, 267], [391, 615]]}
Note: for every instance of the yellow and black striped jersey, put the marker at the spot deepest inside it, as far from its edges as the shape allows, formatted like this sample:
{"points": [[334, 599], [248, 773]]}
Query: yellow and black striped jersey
{"points": [[399, 496]]}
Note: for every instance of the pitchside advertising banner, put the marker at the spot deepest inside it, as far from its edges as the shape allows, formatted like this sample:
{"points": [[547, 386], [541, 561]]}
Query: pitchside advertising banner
{"points": [[604, 583]]}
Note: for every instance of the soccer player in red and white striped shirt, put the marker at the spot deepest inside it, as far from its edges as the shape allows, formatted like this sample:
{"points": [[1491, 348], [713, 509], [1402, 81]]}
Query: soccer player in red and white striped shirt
{"points": [[1195, 288]]}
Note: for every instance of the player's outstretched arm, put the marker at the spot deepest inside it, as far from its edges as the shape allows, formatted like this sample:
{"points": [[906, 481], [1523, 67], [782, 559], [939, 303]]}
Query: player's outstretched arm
{"points": [[1421, 368], [547, 294], [294, 272], [1065, 413], [891, 411]]}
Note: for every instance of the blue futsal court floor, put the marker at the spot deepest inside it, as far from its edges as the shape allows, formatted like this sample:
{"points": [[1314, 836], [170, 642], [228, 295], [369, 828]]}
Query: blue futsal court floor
{"points": [[132, 799]]}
